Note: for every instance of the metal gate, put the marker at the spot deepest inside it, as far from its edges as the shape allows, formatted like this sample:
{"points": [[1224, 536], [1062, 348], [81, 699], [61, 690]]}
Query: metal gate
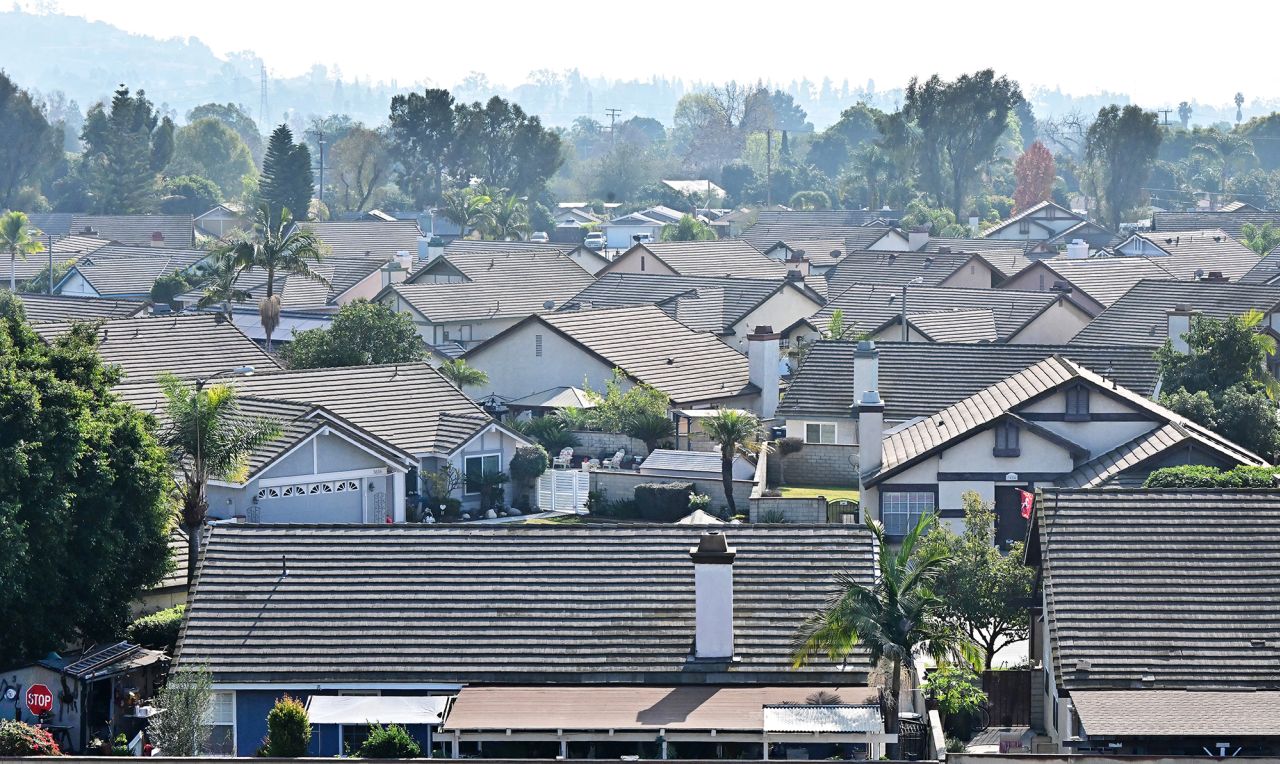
{"points": [[564, 491]]}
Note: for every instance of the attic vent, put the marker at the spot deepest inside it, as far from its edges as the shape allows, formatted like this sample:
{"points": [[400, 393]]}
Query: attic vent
{"points": [[537, 345], [944, 250], [928, 261]]}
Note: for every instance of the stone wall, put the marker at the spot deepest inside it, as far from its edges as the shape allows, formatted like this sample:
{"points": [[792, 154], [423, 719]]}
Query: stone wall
{"points": [[819, 465], [605, 444], [796, 511], [621, 484]]}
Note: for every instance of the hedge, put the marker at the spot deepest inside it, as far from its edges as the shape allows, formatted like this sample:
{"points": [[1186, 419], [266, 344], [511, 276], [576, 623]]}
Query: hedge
{"points": [[1200, 476], [390, 742], [663, 502], [158, 630]]}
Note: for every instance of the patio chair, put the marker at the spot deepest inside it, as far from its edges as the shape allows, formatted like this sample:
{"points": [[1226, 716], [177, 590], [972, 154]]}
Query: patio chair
{"points": [[565, 459], [616, 462]]}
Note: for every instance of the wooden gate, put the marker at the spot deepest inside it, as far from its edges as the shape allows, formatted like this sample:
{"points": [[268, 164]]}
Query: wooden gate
{"points": [[1009, 696]]}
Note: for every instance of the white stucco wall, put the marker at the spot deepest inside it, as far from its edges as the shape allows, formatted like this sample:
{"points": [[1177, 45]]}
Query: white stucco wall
{"points": [[638, 261], [76, 284], [779, 311], [1054, 326], [846, 428], [515, 370]]}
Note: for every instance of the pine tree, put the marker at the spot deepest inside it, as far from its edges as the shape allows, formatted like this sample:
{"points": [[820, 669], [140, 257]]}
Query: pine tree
{"points": [[125, 149], [287, 180]]}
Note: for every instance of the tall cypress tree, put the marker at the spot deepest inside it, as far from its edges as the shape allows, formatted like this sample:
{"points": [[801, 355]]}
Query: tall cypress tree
{"points": [[286, 181]]}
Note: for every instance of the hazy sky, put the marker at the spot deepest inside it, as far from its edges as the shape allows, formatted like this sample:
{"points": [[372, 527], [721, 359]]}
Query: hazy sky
{"points": [[1155, 51]]}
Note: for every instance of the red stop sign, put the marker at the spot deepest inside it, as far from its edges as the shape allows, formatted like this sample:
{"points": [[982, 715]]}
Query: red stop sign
{"points": [[39, 699]]}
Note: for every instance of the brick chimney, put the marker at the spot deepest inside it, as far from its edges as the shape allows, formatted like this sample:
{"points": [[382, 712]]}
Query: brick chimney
{"points": [[713, 597], [763, 357], [157, 239]]}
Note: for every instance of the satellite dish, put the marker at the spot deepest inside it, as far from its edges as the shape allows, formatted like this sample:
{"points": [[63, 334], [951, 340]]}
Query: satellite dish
{"points": [[549, 304]]}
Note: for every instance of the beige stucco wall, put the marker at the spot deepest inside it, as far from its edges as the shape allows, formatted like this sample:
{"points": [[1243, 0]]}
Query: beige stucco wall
{"points": [[637, 261], [974, 274], [1038, 278], [1054, 326], [779, 311], [515, 370]]}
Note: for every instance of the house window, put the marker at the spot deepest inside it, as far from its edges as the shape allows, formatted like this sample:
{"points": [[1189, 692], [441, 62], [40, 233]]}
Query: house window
{"points": [[474, 468], [222, 724], [537, 345], [1077, 404], [901, 510], [1024, 226], [820, 432], [1006, 440]]}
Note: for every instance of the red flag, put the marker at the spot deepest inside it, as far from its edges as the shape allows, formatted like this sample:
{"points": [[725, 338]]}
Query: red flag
{"points": [[1028, 500]]}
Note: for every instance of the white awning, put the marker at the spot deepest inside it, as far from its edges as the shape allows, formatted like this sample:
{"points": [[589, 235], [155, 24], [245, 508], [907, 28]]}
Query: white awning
{"points": [[381, 709]]}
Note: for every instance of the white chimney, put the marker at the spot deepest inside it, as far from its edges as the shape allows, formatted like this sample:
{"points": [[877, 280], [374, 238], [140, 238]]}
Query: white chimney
{"points": [[973, 224], [866, 369], [392, 273], [763, 357], [870, 432], [405, 259], [1179, 324], [1078, 249], [429, 248], [713, 597], [917, 237]]}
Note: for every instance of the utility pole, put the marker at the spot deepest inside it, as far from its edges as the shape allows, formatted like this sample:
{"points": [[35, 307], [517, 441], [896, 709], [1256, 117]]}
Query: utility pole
{"points": [[768, 168], [320, 142], [262, 98], [1166, 113], [49, 236], [613, 115]]}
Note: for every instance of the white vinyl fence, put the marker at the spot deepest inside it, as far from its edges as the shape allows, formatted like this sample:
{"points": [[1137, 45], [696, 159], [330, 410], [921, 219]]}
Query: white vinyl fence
{"points": [[564, 491]]}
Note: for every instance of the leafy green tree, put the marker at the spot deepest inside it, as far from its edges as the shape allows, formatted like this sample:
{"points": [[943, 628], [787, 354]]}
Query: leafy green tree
{"points": [[275, 246], [390, 742], [361, 167], [732, 430], [208, 438], [209, 149], [688, 228], [84, 518], [288, 729], [1264, 132], [236, 117], [39, 283], [960, 124], [809, 200], [622, 402], [168, 287], [461, 375], [984, 591], [31, 147], [286, 182], [1203, 476], [505, 147], [188, 195], [158, 630], [1229, 153], [361, 334], [422, 131], [470, 208], [187, 700], [1260, 239], [1120, 147], [894, 619], [127, 145], [17, 237], [219, 276], [940, 222]]}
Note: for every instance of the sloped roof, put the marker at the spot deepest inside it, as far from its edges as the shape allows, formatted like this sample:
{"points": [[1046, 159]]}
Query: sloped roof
{"points": [[1034, 211], [958, 325], [730, 258], [1231, 222], [520, 262], [864, 267], [1107, 470], [299, 292], [855, 237], [67, 249], [185, 345], [499, 286], [43, 307], [1267, 271], [682, 461], [1183, 253], [820, 218], [1137, 583], [869, 307], [367, 238], [1139, 317], [463, 246], [1178, 713], [920, 378], [120, 270], [179, 231], [507, 604], [1105, 279], [55, 223]]}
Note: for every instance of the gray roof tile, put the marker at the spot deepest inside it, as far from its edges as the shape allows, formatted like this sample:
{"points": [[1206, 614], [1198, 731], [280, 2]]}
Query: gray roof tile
{"points": [[1140, 316], [870, 307], [43, 307], [1231, 222], [732, 258], [178, 231]]}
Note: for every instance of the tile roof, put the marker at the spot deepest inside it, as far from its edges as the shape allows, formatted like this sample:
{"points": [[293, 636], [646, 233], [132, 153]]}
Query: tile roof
{"points": [[1231, 222], [520, 262], [869, 267], [185, 345], [1109, 469], [1106, 279], [654, 348], [921, 378], [870, 307], [127, 271], [956, 325], [179, 231], [820, 218], [703, 304], [511, 285], [367, 238], [1032, 212], [1186, 253], [56, 223], [515, 604], [726, 257], [66, 250], [302, 293], [176, 576], [665, 459], [764, 235], [1137, 583], [409, 406], [1139, 317], [1178, 713], [1267, 271], [466, 246], [43, 307]]}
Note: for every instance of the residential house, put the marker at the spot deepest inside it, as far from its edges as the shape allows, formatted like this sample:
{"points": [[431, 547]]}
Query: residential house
{"points": [[1267, 271], [56, 224], [379, 239], [342, 280], [583, 348], [680, 639], [1054, 423], [590, 260], [729, 258], [1152, 629], [855, 237], [621, 232], [728, 307], [1231, 221], [915, 379], [1017, 317], [65, 252], [1188, 255], [167, 231], [1094, 282], [1052, 224], [1154, 311], [222, 220], [44, 307], [946, 269], [122, 272], [466, 298]]}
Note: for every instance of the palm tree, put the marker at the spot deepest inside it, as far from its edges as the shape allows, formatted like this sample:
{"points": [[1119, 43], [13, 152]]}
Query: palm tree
{"points": [[732, 430], [19, 238], [508, 216], [208, 438], [469, 208], [1228, 152], [895, 618], [460, 374], [275, 248], [220, 284], [649, 427]]}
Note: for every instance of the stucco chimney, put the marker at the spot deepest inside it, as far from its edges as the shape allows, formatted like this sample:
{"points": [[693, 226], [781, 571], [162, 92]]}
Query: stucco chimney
{"points": [[917, 237], [713, 597], [1179, 324], [157, 239], [866, 369], [763, 354], [1078, 249], [405, 259], [870, 432], [392, 273], [429, 248]]}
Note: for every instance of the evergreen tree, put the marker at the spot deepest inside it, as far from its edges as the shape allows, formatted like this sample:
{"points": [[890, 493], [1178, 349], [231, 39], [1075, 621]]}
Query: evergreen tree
{"points": [[287, 181], [126, 147]]}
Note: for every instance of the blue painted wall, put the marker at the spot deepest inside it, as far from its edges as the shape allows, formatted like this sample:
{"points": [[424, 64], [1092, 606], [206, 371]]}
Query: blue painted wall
{"points": [[252, 707]]}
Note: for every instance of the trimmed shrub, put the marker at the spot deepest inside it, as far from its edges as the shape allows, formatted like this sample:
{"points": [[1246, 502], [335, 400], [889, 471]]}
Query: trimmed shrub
{"points": [[663, 502], [529, 462], [1249, 477], [21, 739], [389, 742], [288, 729], [159, 630], [1200, 476]]}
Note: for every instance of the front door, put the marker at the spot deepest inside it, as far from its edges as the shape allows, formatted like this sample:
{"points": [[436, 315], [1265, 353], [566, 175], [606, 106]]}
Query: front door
{"points": [[1011, 526]]}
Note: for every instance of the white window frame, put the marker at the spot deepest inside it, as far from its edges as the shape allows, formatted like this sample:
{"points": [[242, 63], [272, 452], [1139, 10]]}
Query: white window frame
{"points": [[820, 441], [234, 731], [909, 516], [467, 457]]}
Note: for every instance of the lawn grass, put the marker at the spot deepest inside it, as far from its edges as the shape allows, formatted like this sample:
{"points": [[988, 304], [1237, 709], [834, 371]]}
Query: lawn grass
{"points": [[809, 492], [560, 520]]}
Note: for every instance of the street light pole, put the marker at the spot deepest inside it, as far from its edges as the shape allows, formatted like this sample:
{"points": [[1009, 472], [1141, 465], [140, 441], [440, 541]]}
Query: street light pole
{"points": [[906, 334], [50, 237]]}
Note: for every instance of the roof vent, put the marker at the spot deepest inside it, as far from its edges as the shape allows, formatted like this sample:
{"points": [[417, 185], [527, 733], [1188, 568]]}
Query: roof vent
{"points": [[1168, 241], [671, 360], [1257, 642], [892, 257], [548, 304], [1083, 664], [928, 261], [944, 250], [1217, 239]]}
